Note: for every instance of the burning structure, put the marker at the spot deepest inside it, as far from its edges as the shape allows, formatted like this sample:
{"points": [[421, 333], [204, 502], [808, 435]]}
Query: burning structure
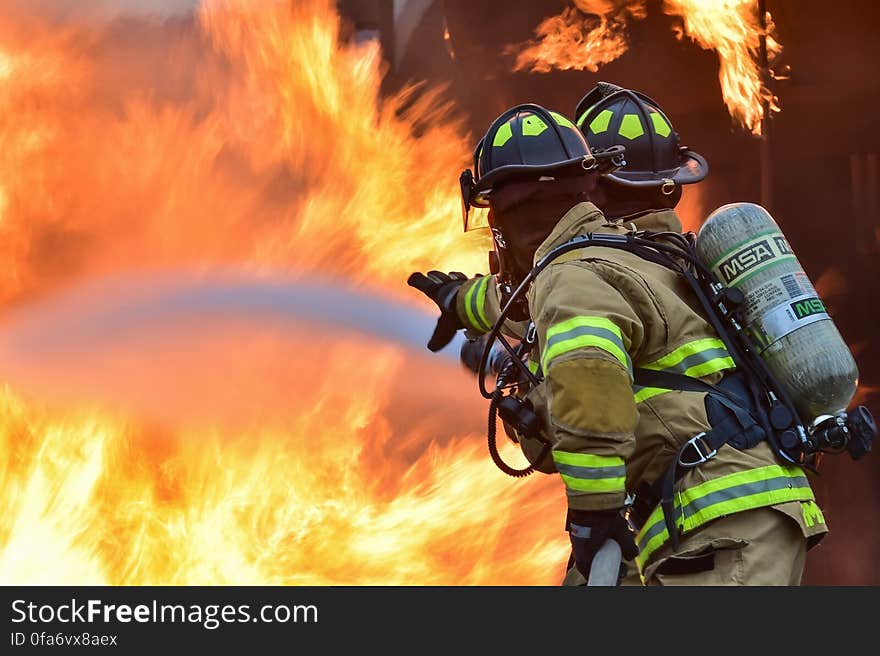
{"points": [[285, 138]]}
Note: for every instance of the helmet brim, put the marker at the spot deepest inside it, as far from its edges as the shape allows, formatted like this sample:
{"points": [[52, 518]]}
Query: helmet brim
{"points": [[519, 173], [692, 168]]}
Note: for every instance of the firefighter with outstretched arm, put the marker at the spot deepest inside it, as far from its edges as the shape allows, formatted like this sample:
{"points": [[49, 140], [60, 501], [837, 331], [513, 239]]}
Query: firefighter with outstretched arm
{"points": [[740, 515]]}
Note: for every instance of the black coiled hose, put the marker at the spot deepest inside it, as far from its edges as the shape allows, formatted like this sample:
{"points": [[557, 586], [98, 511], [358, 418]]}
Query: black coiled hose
{"points": [[493, 446]]}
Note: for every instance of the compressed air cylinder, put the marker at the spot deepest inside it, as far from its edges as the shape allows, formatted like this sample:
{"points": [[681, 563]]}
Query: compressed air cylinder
{"points": [[746, 250]]}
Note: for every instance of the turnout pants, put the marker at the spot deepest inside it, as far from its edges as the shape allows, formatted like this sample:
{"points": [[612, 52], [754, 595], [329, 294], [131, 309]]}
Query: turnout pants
{"points": [[763, 546]]}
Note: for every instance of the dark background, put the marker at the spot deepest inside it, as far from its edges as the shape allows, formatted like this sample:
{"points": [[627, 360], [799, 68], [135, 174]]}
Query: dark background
{"points": [[455, 618], [823, 150]]}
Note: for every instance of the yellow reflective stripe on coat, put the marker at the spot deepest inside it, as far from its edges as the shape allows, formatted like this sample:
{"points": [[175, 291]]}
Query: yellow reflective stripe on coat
{"points": [[585, 472], [475, 303], [691, 356], [535, 368], [645, 393], [747, 490], [695, 359], [583, 332]]}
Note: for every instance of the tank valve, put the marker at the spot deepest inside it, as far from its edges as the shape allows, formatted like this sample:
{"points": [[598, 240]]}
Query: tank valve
{"points": [[853, 431]]}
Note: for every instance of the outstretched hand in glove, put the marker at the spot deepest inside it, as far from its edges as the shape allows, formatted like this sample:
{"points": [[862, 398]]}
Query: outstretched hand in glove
{"points": [[442, 288]]}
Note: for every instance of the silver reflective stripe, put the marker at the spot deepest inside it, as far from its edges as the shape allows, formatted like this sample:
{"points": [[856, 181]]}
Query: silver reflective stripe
{"points": [[723, 496], [707, 356], [744, 490], [580, 531], [699, 358], [581, 331], [591, 472]]}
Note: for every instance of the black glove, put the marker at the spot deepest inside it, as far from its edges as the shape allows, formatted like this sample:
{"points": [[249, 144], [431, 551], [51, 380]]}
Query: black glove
{"points": [[588, 531], [442, 288], [472, 352]]}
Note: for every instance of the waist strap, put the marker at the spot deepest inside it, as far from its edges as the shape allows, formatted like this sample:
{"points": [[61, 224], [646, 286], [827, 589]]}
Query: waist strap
{"points": [[737, 424]]}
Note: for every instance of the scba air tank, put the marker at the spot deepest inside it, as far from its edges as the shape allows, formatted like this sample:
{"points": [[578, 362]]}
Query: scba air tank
{"points": [[746, 250]]}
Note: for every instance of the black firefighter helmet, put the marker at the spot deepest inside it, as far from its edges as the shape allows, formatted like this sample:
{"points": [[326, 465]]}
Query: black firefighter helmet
{"points": [[612, 116], [529, 143]]}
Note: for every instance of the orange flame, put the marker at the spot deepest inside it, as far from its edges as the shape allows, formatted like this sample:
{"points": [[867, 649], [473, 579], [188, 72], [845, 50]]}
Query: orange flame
{"points": [[5, 65], [250, 122], [336, 494], [731, 28], [248, 136], [692, 209], [573, 41]]}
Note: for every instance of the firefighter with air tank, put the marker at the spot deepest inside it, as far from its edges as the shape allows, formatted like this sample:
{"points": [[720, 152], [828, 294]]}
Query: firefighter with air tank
{"points": [[681, 398]]}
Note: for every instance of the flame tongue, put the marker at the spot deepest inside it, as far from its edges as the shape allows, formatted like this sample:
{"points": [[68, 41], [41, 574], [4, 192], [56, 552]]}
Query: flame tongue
{"points": [[732, 29], [574, 40]]}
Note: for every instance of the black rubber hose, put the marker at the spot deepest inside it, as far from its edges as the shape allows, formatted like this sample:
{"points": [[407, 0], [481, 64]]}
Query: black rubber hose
{"points": [[493, 446]]}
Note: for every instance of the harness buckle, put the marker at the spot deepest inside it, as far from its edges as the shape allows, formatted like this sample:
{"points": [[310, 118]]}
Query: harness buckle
{"points": [[704, 454]]}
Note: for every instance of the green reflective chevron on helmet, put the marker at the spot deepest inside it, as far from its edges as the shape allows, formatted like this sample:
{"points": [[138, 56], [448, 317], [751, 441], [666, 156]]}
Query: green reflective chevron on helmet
{"points": [[583, 117], [599, 124], [526, 142], [562, 120], [611, 116], [504, 134], [631, 127], [661, 127], [532, 126]]}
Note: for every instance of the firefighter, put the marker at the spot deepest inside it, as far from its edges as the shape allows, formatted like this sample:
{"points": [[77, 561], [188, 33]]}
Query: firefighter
{"points": [[741, 515]]}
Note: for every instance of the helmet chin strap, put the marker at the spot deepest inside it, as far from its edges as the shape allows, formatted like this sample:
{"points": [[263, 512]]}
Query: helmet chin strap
{"points": [[509, 276]]}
